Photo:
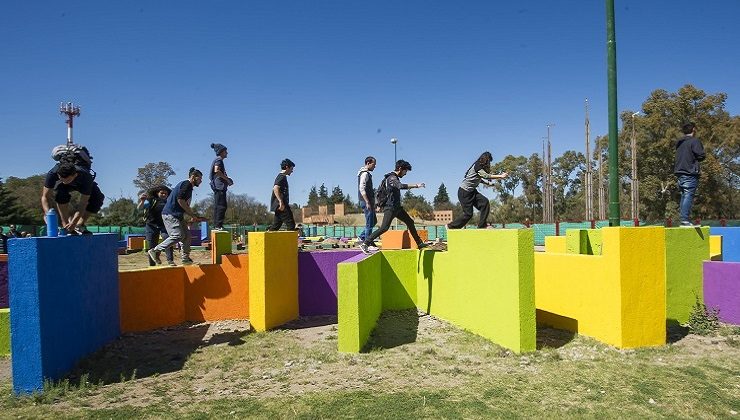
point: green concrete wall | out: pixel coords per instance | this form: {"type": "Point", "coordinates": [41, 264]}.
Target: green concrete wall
{"type": "Point", "coordinates": [4, 331]}
{"type": "Point", "coordinates": [686, 249]}
{"type": "Point", "coordinates": [398, 272]}
{"type": "Point", "coordinates": [360, 301]}
{"type": "Point", "coordinates": [583, 241]}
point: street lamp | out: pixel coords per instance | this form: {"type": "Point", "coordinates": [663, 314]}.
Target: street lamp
{"type": "Point", "coordinates": [394, 141]}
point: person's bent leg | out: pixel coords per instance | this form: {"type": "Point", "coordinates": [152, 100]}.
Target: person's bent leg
{"type": "Point", "coordinates": [150, 234]}
{"type": "Point", "coordinates": [172, 224]}
{"type": "Point", "coordinates": [169, 252]}
{"type": "Point", "coordinates": [185, 241]}
{"type": "Point", "coordinates": [409, 222]}
{"type": "Point", "coordinates": [276, 222]}
{"type": "Point", "coordinates": [481, 203]}
{"type": "Point", "coordinates": [388, 216]}
{"type": "Point", "coordinates": [466, 202]}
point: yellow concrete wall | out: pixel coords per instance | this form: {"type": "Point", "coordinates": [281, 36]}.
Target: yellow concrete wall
{"type": "Point", "coordinates": [715, 247]}
{"type": "Point", "coordinates": [617, 297]}
{"type": "Point", "coordinates": [273, 278]}
{"type": "Point", "coordinates": [555, 244]}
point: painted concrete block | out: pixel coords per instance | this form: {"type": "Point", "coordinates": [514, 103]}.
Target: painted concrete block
{"type": "Point", "coordinates": [317, 281]}
{"type": "Point", "coordinates": [715, 247]}
{"type": "Point", "coordinates": [218, 292]}
{"type": "Point", "coordinates": [273, 278]}
{"type": "Point", "coordinates": [4, 331]}
{"type": "Point", "coordinates": [401, 239]}
{"type": "Point", "coordinates": [64, 301]}
{"type": "Point", "coordinates": [220, 245]}
{"type": "Point", "coordinates": [135, 242]}
{"type": "Point", "coordinates": [722, 289]}
{"type": "Point", "coordinates": [583, 241]}
{"type": "Point", "coordinates": [4, 303]}
{"type": "Point", "coordinates": [618, 297]}
{"type": "Point", "coordinates": [399, 278]}
{"type": "Point", "coordinates": [152, 298]}
{"type": "Point", "coordinates": [686, 250]}
{"type": "Point", "coordinates": [195, 235]}
{"type": "Point", "coordinates": [730, 242]}
{"type": "Point", "coordinates": [360, 300]}
{"type": "Point", "coordinates": [555, 244]}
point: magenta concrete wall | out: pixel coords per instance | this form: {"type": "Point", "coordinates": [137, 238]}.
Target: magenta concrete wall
{"type": "Point", "coordinates": [317, 281]}
{"type": "Point", "coordinates": [722, 289]}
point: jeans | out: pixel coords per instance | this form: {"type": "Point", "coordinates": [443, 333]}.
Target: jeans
{"type": "Point", "coordinates": [468, 200]}
{"type": "Point", "coordinates": [219, 208]}
{"type": "Point", "coordinates": [388, 215]}
{"type": "Point", "coordinates": [152, 233]}
{"type": "Point", "coordinates": [179, 232]}
{"type": "Point", "coordinates": [285, 216]}
{"type": "Point", "coordinates": [370, 220]}
{"type": "Point", "coordinates": [687, 185]}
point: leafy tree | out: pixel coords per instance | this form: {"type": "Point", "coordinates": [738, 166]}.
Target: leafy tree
{"type": "Point", "coordinates": [27, 193]}
{"type": "Point", "coordinates": [417, 206]}
{"type": "Point", "coordinates": [313, 198]}
{"type": "Point", "coordinates": [243, 209]}
{"type": "Point", "coordinates": [442, 199]}
{"type": "Point", "coordinates": [349, 205]}
{"type": "Point", "coordinates": [323, 195]}
{"type": "Point", "coordinates": [152, 175]}
{"type": "Point", "coordinates": [10, 210]}
{"type": "Point", "coordinates": [337, 196]}
{"type": "Point", "coordinates": [120, 212]}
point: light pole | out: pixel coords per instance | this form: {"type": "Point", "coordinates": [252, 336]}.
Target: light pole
{"type": "Point", "coordinates": [394, 141]}
{"type": "Point", "coordinates": [635, 183]}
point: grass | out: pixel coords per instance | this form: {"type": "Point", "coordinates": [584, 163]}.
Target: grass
{"type": "Point", "coordinates": [444, 373]}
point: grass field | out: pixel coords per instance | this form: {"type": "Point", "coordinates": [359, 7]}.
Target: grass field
{"type": "Point", "coordinates": [415, 366]}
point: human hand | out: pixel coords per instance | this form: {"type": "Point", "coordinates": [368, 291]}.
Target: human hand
{"type": "Point", "coordinates": [503, 175]}
{"type": "Point", "coordinates": [142, 197]}
{"type": "Point", "coordinates": [231, 182]}
{"type": "Point", "coordinates": [281, 207]}
{"type": "Point", "coordinates": [422, 185]}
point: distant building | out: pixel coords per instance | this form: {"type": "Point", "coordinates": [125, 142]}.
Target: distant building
{"type": "Point", "coordinates": [442, 216]}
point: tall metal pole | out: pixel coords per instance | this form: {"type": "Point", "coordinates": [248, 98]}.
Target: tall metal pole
{"type": "Point", "coordinates": [550, 195]}
{"type": "Point", "coordinates": [71, 111]}
{"type": "Point", "coordinates": [395, 155]}
{"type": "Point", "coordinates": [545, 217]}
{"type": "Point", "coordinates": [611, 47]}
{"type": "Point", "coordinates": [589, 178]}
{"type": "Point", "coordinates": [635, 183]}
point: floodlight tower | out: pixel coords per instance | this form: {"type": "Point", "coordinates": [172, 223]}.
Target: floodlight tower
{"type": "Point", "coordinates": [71, 111]}
{"type": "Point", "coordinates": [394, 142]}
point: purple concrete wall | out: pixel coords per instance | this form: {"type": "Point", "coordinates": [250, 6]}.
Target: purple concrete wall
{"type": "Point", "coordinates": [4, 281]}
{"type": "Point", "coordinates": [722, 289]}
{"type": "Point", "coordinates": [317, 281]}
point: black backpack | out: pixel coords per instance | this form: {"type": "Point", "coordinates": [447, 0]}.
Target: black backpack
{"type": "Point", "coordinates": [381, 194]}
{"type": "Point", "coordinates": [75, 154]}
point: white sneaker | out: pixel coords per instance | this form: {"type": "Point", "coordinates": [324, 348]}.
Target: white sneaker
{"type": "Point", "coordinates": [373, 248]}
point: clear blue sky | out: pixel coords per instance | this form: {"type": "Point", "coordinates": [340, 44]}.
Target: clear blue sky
{"type": "Point", "coordinates": [328, 82]}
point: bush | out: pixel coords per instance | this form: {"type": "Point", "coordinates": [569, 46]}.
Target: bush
{"type": "Point", "coordinates": [703, 321]}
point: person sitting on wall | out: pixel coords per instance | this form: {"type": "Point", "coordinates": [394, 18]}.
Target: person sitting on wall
{"type": "Point", "coordinates": [63, 179]}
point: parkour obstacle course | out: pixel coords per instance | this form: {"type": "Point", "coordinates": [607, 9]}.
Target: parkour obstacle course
{"type": "Point", "coordinates": [618, 285]}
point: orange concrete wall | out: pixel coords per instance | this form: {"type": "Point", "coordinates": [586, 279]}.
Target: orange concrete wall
{"type": "Point", "coordinates": [151, 298]}
{"type": "Point", "coordinates": [401, 239]}
{"type": "Point", "coordinates": [218, 291]}
{"type": "Point", "coordinates": [135, 242]}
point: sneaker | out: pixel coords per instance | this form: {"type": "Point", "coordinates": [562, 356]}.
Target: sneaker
{"type": "Point", "coordinates": [155, 256]}
{"type": "Point", "coordinates": [373, 248]}
{"type": "Point", "coordinates": [365, 248]}
{"type": "Point", "coordinates": [171, 264]}
{"type": "Point", "coordinates": [82, 230]}
{"type": "Point", "coordinates": [187, 261]}
{"type": "Point", "coordinates": [687, 224]}
{"type": "Point", "coordinates": [73, 232]}
{"type": "Point", "coordinates": [423, 245]}
{"type": "Point", "coordinates": [219, 229]}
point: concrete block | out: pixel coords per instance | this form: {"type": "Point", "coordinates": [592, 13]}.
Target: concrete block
{"type": "Point", "coordinates": [686, 250]}
{"type": "Point", "coordinates": [583, 241]}
{"type": "Point", "coordinates": [360, 300]}
{"type": "Point", "coordinates": [218, 292]}
{"type": "Point", "coordinates": [401, 239]}
{"type": "Point", "coordinates": [64, 301]}
{"type": "Point", "coordinates": [4, 302]}
{"type": "Point", "coordinates": [135, 242]}
{"type": "Point", "coordinates": [317, 281]}
{"type": "Point", "coordinates": [556, 244]}
{"type": "Point", "coordinates": [722, 289]}
{"type": "Point", "coordinates": [715, 247]}
{"type": "Point", "coordinates": [220, 245]}
{"type": "Point", "coordinates": [730, 242]}
{"type": "Point", "coordinates": [152, 298]}
{"type": "Point", "coordinates": [4, 331]}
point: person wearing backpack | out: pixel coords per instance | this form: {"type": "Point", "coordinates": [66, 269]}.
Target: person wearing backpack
{"type": "Point", "coordinates": [64, 178]}
{"type": "Point", "coordinates": [388, 197]}
{"type": "Point", "coordinates": [153, 202]}
{"type": "Point", "coordinates": [469, 196]}
{"type": "Point", "coordinates": [280, 198]}
{"type": "Point", "coordinates": [366, 196]}
{"type": "Point", "coordinates": [219, 184]}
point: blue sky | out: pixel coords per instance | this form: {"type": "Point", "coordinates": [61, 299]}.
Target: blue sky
{"type": "Point", "coordinates": [326, 83]}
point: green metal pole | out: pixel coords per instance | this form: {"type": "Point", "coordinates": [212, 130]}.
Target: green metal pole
{"type": "Point", "coordinates": [611, 50]}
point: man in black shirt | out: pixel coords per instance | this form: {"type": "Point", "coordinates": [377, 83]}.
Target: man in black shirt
{"type": "Point", "coordinates": [63, 179]}
{"type": "Point", "coordinates": [689, 152]}
{"type": "Point", "coordinates": [153, 202]}
{"type": "Point", "coordinates": [219, 184]}
{"type": "Point", "coordinates": [280, 199]}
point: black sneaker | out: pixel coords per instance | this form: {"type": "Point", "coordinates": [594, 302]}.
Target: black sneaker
{"type": "Point", "coordinates": [73, 232]}
{"type": "Point", "coordinates": [82, 230]}
{"type": "Point", "coordinates": [155, 256]}
{"type": "Point", "coordinates": [423, 245]}
{"type": "Point", "coordinates": [187, 261]}
{"type": "Point", "coordinates": [365, 248]}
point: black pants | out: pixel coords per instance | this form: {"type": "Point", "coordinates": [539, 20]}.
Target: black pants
{"type": "Point", "coordinates": [94, 203]}
{"type": "Point", "coordinates": [152, 232]}
{"type": "Point", "coordinates": [285, 216]}
{"type": "Point", "coordinates": [388, 215]}
{"type": "Point", "coordinates": [468, 200]}
{"type": "Point", "coordinates": [219, 208]}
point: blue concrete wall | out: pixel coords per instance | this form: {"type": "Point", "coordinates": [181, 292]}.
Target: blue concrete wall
{"type": "Point", "coordinates": [63, 304]}
{"type": "Point", "coordinates": [730, 242]}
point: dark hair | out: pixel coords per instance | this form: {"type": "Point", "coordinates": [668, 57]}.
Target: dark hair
{"type": "Point", "coordinates": [402, 164]}
{"type": "Point", "coordinates": [287, 163]}
{"type": "Point", "coordinates": [66, 169]}
{"type": "Point", "coordinates": [195, 172]}
{"type": "Point", "coordinates": [369, 160]}
{"type": "Point", "coordinates": [688, 128]}
{"type": "Point", "coordinates": [485, 159]}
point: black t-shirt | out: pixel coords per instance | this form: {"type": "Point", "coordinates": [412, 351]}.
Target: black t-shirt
{"type": "Point", "coordinates": [154, 212]}
{"type": "Point", "coordinates": [281, 181]}
{"type": "Point", "coordinates": [83, 183]}
{"type": "Point", "coordinates": [218, 184]}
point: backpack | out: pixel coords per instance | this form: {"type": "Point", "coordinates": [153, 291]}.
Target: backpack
{"type": "Point", "coordinates": [75, 154]}
{"type": "Point", "coordinates": [381, 194]}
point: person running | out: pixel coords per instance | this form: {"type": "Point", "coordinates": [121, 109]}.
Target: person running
{"type": "Point", "coordinates": [366, 196]}
{"type": "Point", "coordinates": [392, 207]}
{"type": "Point", "coordinates": [469, 196]}
{"type": "Point", "coordinates": [64, 178]}
{"type": "Point", "coordinates": [220, 182]}
{"type": "Point", "coordinates": [153, 202]}
{"type": "Point", "coordinates": [280, 198]}
{"type": "Point", "coordinates": [173, 216]}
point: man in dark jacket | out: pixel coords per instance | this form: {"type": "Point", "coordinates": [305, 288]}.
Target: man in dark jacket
{"type": "Point", "coordinates": [689, 152]}
{"type": "Point", "coordinates": [220, 182]}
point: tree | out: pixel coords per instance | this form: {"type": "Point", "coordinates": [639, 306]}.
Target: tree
{"type": "Point", "coordinates": [350, 206]}
{"type": "Point", "coordinates": [313, 198]}
{"type": "Point", "coordinates": [323, 195]}
{"type": "Point", "coordinates": [442, 199]}
{"type": "Point", "coordinates": [337, 196]}
{"type": "Point", "coordinates": [27, 193]}
{"type": "Point", "coordinates": [120, 212]}
{"type": "Point", "coordinates": [417, 206]}
{"type": "Point", "coordinates": [152, 175]}
{"type": "Point", "coordinates": [243, 209]}
{"type": "Point", "coordinates": [10, 210]}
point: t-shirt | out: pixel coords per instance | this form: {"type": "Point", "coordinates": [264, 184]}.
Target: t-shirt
{"type": "Point", "coordinates": [183, 190]}
{"type": "Point", "coordinates": [474, 175]}
{"type": "Point", "coordinates": [282, 182]}
{"type": "Point", "coordinates": [154, 209]}
{"type": "Point", "coordinates": [83, 183]}
{"type": "Point", "coordinates": [218, 184]}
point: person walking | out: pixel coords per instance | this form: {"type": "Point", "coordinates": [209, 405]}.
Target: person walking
{"type": "Point", "coordinates": [469, 196]}
{"type": "Point", "coordinates": [280, 198]}
{"type": "Point", "coordinates": [220, 182]}
{"type": "Point", "coordinates": [389, 193]}
{"type": "Point", "coordinates": [173, 216]}
{"type": "Point", "coordinates": [366, 196]}
{"type": "Point", "coordinates": [153, 202]}
{"type": "Point", "coordinates": [689, 152]}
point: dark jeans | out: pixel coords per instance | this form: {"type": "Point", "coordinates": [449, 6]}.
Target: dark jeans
{"type": "Point", "coordinates": [152, 232]}
{"type": "Point", "coordinates": [94, 203]}
{"type": "Point", "coordinates": [370, 220]}
{"type": "Point", "coordinates": [687, 185]}
{"type": "Point", "coordinates": [219, 208]}
{"type": "Point", "coordinates": [285, 216]}
{"type": "Point", "coordinates": [388, 215]}
{"type": "Point", "coordinates": [468, 200]}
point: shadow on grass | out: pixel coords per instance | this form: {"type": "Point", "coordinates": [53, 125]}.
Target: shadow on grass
{"type": "Point", "coordinates": [553, 338]}
{"type": "Point", "coordinates": [675, 331]}
{"type": "Point", "coordinates": [309, 322]}
{"type": "Point", "coordinates": [393, 329]}
{"type": "Point", "coordinates": [147, 354]}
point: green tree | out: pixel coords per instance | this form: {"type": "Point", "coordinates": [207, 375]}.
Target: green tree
{"type": "Point", "coordinates": [120, 212]}
{"type": "Point", "coordinates": [417, 206]}
{"type": "Point", "coordinates": [27, 193]}
{"type": "Point", "coordinates": [323, 195]}
{"type": "Point", "coordinates": [442, 199]}
{"type": "Point", "coordinates": [313, 198]}
{"type": "Point", "coordinates": [337, 195]}
{"type": "Point", "coordinates": [10, 210]}
{"type": "Point", "coordinates": [152, 175]}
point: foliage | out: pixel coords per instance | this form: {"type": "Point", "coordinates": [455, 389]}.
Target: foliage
{"type": "Point", "coordinates": [442, 199]}
{"type": "Point", "coordinates": [703, 321]}
{"type": "Point", "coordinates": [120, 212]}
{"type": "Point", "coordinates": [27, 193]}
{"type": "Point", "coordinates": [242, 209]}
{"type": "Point", "coordinates": [323, 195]}
{"type": "Point", "coordinates": [313, 198]}
{"type": "Point", "coordinates": [10, 210]}
{"type": "Point", "coordinates": [152, 175]}
{"type": "Point", "coordinates": [417, 206]}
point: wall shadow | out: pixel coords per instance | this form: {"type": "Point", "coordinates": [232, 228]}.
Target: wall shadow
{"type": "Point", "coordinates": [674, 331]}
{"type": "Point", "coordinates": [426, 265]}
{"type": "Point", "coordinates": [309, 322]}
{"type": "Point", "coordinates": [553, 330]}
{"type": "Point", "coordinates": [393, 329]}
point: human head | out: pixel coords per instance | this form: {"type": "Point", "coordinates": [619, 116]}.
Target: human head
{"type": "Point", "coordinates": [485, 159]}
{"type": "Point", "coordinates": [370, 163]}
{"type": "Point", "coordinates": [195, 176]}
{"type": "Point", "coordinates": [688, 128]}
{"type": "Point", "coordinates": [287, 165]}
{"type": "Point", "coordinates": [11, 227]}
{"type": "Point", "coordinates": [163, 192]}
{"type": "Point", "coordinates": [220, 149]}
{"type": "Point", "coordinates": [402, 167]}
{"type": "Point", "coordinates": [67, 173]}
